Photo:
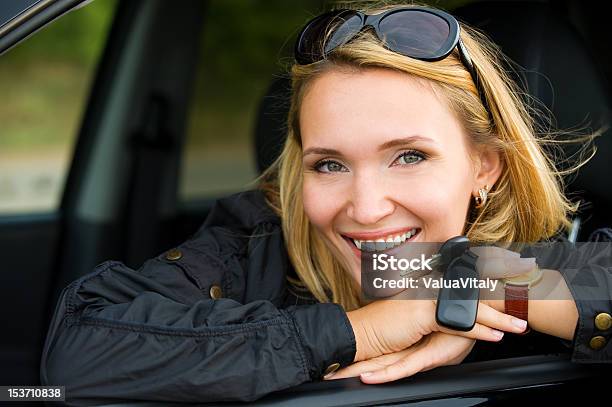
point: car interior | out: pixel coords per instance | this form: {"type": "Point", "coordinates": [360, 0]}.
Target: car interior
{"type": "Point", "coordinates": [120, 198]}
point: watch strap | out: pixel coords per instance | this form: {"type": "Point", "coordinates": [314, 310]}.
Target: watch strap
{"type": "Point", "coordinates": [517, 302]}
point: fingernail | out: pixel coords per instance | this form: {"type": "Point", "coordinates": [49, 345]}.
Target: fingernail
{"type": "Point", "coordinates": [519, 323]}
{"type": "Point", "coordinates": [497, 334]}
{"type": "Point", "coordinates": [366, 374]}
{"type": "Point", "coordinates": [527, 262]}
{"type": "Point", "coordinates": [327, 376]}
{"type": "Point", "coordinates": [520, 266]}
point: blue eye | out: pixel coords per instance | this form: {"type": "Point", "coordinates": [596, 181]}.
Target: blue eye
{"type": "Point", "coordinates": [410, 157]}
{"type": "Point", "coordinates": [329, 166]}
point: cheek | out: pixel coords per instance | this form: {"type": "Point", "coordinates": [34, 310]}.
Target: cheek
{"type": "Point", "coordinates": [440, 204]}
{"type": "Point", "coordinates": [320, 206]}
{"type": "Point", "coordinates": [448, 212]}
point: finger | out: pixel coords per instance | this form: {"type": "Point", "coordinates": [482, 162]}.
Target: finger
{"type": "Point", "coordinates": [369, 365]}
{"type": "Point", "coordinates": [493, 251]}
{"type": "Point", "coordinates": [492, 318]}
{"type": "Point", "coordinates": [479, 331]}
{"type": "Point", "coordinates": [434, 353]}
{"type": "Point", "coordinates": [436, 349]}
{"type": "Point", "coordinates": [350, 371]}
{"type": "Point", "coordinates": [492, 267]}
{"type": "Point", "coordinates": [408, 366]}
{"type": "Point", "coordinates": [357, 368]}
{"type": "Point", "coordinates": [490, 325]}
{"type": "Point", "coordinates": [497, 268]}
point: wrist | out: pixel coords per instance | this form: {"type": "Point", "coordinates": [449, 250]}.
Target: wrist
{"type": "Point", "coordinates": [494, 298]}
{"type": "Point", "coordinates": [554, 310]}
{"type": "Point", "coordinates": [518, 290]}
{"type": "Point", "coordinates": [355, 320]}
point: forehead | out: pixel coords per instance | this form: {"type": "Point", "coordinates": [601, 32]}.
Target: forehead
{"type": "Point", "coordinates": [373, 106]}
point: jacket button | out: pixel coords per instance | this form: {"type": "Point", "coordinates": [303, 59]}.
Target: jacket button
{"type": "Point", "coordinates": [216, 292]}
{"type": "Point", "coordinates": [331, 369]}
{"type": "Point", "coordinates": [597, 342]}
{"type": "Point", "coordinates": [174, 254]}
{"type": "Point", "coordinates": [603, 321]}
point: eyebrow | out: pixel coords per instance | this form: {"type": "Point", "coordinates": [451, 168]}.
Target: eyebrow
{"type": "Point", "coordinates": [384, 146]}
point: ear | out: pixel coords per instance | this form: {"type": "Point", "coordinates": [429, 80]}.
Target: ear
{"type": "Point", "coordinates": [489, 165]}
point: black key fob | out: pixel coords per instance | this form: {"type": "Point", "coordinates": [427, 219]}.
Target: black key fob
{"type": "Point", "coordinates": [457, 304]}
{"type": "Point", "coordinates": [453, 248]}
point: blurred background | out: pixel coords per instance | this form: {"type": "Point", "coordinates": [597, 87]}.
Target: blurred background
{"type": "Point", "coordinates": [45, 82]}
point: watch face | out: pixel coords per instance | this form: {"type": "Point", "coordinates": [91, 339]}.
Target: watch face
{"type": "Point", "coordinates": [525, 279]}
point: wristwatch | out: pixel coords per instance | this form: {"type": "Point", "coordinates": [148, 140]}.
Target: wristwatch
{"type": "Point", "coordinates": [516, 292]}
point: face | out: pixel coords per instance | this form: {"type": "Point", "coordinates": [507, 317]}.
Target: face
{"type": "Point", "coordinates": [385, 158]}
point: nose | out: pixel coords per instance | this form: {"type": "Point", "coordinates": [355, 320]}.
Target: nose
{"type": "Point", "coordinates": [369, 200]}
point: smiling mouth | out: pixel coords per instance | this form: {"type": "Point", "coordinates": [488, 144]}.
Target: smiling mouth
{"type": "Point", "coordinates": [383, 244]}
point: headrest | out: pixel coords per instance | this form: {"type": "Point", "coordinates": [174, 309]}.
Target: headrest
{"type": "Point", "coordinates": [271, 124]}
{"type": "Point", "coordinates": [559, 70]}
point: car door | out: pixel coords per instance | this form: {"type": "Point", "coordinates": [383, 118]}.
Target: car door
{"type": "Point", "coordinates": [44, 85]}
{"type": "Point", "coordinates": [87, 148]}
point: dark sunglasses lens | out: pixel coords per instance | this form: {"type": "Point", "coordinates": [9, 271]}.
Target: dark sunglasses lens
{"type": "Point", "coordinates": [345, 28]}
{"type": "Point", "coordinates": [312, 44]}
{"type": "Point", "coordinates": [309, 47]}
{"type": "Point", "coordinates": [417, 34]}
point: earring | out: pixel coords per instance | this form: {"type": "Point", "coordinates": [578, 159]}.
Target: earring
{"type": "Point", "coordinates": [482, 197]}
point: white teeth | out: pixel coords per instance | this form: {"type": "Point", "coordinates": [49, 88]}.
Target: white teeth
{"type": "Point", "coordinates": [395, 240]}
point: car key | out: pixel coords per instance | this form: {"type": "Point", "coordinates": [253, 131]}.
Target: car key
{"type": "Point", "coordinates": [457, 307]}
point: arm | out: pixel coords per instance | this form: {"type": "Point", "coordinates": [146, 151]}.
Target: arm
{"type": "Point", "coordinates": [398, 338]}
{"type": "Point", "coordinates": [155, 334]}
{"type": "Point", "coordinates": [577, 288]}
{"type": "Point", "coordinates": [556, 316]}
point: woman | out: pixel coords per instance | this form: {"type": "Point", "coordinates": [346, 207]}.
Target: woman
{"type": "Point", "coordinates": [380, 145]}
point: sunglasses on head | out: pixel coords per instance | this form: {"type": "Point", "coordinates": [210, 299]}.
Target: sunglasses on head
{"type": "Point", "coordinates": [417, 32]}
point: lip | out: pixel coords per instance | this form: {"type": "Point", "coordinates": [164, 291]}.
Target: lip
{"type": "Point", "coordinates": [393, 250]}
{"type": "Point", "coordinates": [378, 234]}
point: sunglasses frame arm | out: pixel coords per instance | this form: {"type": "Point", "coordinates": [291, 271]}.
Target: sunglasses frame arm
{"type": "Point", "coordinates": [467, 62]}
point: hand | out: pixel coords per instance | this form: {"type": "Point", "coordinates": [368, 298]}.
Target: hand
{"type": "Point", "coordinates": [496, 263]}
{"type": "Point", "coordinates": [493, 263]}
{"type": "Point", "coordinates": [388, 326]}
{"type": "Point", "coordinates": [436, 349]}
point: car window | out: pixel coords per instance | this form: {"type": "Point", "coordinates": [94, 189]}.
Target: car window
{"type": "Point", "coordinates": [11, 9]}
{"type": "Point", "coordinates": [218, 152]}
{"type": "Point", "coordinates": [45, 83]}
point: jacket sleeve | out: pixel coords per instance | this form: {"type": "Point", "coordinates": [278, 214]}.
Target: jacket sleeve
{"type": "Point", "coordinates": [587, 270]}
{"type": "Point", "coordinates": [156, 334]}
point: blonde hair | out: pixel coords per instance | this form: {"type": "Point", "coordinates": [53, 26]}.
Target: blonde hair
{"type": "Point", "coordinates": [526, 204]}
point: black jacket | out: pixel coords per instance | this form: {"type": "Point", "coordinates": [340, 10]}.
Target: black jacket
{"type": "Point", "coordinates": [212, 320]}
